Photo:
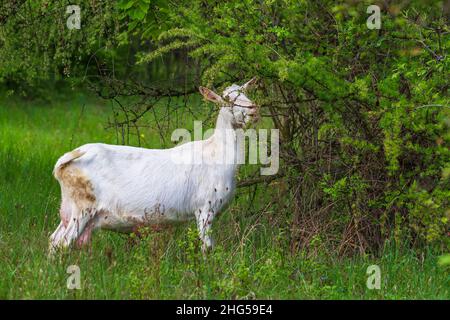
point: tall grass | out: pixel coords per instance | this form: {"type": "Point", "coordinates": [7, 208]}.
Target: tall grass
{"type": "Point", "coordinates": [252, 259]}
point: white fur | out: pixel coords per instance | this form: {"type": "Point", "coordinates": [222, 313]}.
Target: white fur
{"type": "Point", "coordinates": [137, 186]}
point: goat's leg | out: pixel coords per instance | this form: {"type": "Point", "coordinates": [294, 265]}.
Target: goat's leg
{"type": "Point", "coordinates": [56, 237]}
{"type": "Point", "coordinates": [85, 237]}
{"type": "Point", "coordinates": [75, 227]}
{"type": "Point", "coordinates": [204, 221]}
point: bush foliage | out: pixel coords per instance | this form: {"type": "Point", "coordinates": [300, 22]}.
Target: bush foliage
{"type": "Point", "coordinates": [363, 113]}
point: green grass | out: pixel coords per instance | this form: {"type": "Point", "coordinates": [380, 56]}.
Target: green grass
{"type": "Point", "coordinates": [251, 260]}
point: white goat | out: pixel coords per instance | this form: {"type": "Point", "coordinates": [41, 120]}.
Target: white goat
{"type": "Point", "coordinates": [120, 188]}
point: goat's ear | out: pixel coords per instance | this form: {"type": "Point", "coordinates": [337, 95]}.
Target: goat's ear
{"type": "Point", "coordinates": [249, 83]}
{"type": "Point", "coordinates": [211, 95]}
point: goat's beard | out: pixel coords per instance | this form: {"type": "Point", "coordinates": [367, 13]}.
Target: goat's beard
{"type": "Point", "coordinates": [248, 122]}
{"type": "Point", "coordinates": [238, 125]}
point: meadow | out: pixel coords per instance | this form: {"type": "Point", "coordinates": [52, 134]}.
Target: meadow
{"type": "Point", "coordinates": [251, 260]}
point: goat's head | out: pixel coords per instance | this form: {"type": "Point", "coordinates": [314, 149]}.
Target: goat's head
{"type": "Point", "coordinates": [235, 103]}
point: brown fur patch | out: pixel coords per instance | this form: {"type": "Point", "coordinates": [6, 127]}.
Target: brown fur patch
{"type": "Point", "coordinates": [77, 185]}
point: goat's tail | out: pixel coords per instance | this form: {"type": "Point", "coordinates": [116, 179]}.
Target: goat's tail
{"type": "Point", "coordinates": [65, 160]}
